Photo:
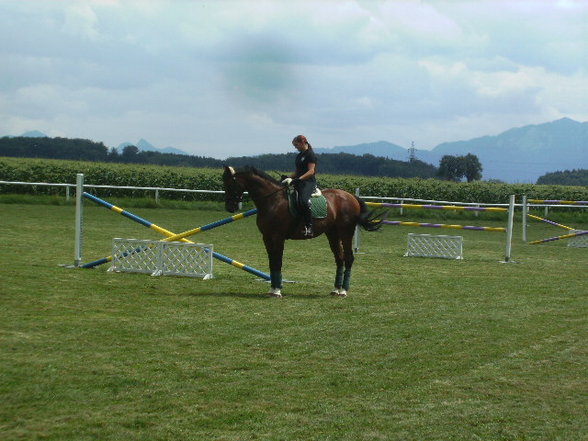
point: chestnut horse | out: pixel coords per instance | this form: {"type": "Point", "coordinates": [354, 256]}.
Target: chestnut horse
{"type": "Point", "coordinates": [276, 224]}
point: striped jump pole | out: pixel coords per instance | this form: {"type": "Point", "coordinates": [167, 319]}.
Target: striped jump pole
{"type": "Point", "coordinates": [542, 219]}
{"type": "Point", "coordinates": [548, 202]}
{"type": "Point", "coordinates": [174, 237]}
{"type": "Point", "coordinates": [565, 236]}
{"type": "Point", "coordinates": [508, 229]}
{"type": "Point", "coordinates": [455, 227]}
{"type": "Point", "coordinates": [180, 237]}
{"type": "Point", "coordinates": [556, 202]}
{"type": "Point", "coordinates": [437, 207]}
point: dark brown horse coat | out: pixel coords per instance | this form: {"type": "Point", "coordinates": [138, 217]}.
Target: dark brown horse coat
{"type": "Point", "coordinates": [344, 212]}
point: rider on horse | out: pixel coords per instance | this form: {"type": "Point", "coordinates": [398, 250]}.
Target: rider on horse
{"type": "Point", "coordinates": [303, 179]}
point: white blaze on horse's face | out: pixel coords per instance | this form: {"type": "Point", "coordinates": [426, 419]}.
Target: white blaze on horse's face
{"type": "Point", "coordinates": [231, 171]}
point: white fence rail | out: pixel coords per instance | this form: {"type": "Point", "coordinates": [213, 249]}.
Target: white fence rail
{"type": "Point", "coordinates": [156, 190]}
{"type": "Point", "coordinates": [114, 187]}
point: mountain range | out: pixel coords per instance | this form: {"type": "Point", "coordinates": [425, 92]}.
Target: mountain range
{"type": "Point", "coordinates": [516, 155]}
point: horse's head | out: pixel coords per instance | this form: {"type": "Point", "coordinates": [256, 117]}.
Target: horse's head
{"type": "Point", "coordinates": [233, 190]}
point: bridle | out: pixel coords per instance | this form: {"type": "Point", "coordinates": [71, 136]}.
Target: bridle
{"type": "Point", "coordinates": [232, 196]}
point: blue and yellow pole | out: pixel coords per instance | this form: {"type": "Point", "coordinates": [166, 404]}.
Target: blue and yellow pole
{"type": "Point", "coordinates": [177, 237]}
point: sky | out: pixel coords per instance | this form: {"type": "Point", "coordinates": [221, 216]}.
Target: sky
{"type": "Point", "coordinates": [243, 77]}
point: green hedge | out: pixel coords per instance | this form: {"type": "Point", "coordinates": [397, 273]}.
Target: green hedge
{"type": "Point", "coordinates": [61, 171]}
{"type": "Point", "coordinates": [97, 173]}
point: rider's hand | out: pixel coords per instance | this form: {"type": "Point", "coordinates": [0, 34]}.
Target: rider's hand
{"type": "Point", "coordinates": [287, 181]}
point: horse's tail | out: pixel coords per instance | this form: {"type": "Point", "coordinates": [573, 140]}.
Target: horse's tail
{"type": "Point", "coordinates": [370, 220]}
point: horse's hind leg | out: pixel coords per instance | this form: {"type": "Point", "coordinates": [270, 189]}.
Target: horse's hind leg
{"type": "Point", "coordinates": [337, 249]}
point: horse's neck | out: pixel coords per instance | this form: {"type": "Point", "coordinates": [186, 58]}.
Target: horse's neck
{"type": "Point", "coordinates": [260, 190]}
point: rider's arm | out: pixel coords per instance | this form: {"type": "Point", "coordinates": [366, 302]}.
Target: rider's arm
{"type": "Point", "coordinates": [310, 172]}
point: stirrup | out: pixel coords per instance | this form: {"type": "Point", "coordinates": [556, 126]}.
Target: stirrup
{"type": "Point", "coordinates": [308, 231]}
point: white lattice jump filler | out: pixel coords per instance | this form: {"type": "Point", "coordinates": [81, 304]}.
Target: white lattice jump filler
{"type": "Point", "coordinates": [162, 258]}
{"type": "Point", "coordinates": [434, 245]}
{"type": "Point", "coordinates": [580, 240]}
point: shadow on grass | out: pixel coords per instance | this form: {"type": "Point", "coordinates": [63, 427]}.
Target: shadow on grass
{"type": "Point", "coordinates": [259, 296]}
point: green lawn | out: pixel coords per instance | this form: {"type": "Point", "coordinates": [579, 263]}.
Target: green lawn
{"type": "Point", "coordinates": [422, 349]}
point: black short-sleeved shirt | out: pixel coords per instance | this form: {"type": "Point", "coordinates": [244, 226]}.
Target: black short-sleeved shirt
{"type": "Point", "coordinates": [302, 160]}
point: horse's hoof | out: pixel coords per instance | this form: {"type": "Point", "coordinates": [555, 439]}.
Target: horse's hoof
{"type": "Point", "coordinates": [275, 292]}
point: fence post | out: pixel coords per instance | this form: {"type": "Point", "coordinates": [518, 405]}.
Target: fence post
{"type": "Point", "coordinates": [79, 218]}
{"type": "Point", "coordinates": [524, 220]}
{"type": "Point", "coordinates": [356, 239]}
{"type": "Point", "coordinates": [509, 226]}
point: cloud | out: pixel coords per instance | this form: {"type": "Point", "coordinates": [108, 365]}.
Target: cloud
{"type": "Point", "coordinates": [80, 21]}
{"type": "Point", "coordinates": [240, 77]}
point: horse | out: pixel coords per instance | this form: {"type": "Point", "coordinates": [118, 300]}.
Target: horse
{"type": "Point", "coordinates": [276, 224]}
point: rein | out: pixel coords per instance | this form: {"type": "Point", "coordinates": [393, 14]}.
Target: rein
{"type": "Point", "coordinates": [240, 198]}
{"type": "Point", "coordinates": [274, 192]}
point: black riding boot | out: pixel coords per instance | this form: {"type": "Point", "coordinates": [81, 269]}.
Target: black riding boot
{"type": "Point", "coordinates": [307, 222]}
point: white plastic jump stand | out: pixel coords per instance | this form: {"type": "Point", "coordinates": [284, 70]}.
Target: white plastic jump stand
{"type": "Point", "coordinates": [435, 246]}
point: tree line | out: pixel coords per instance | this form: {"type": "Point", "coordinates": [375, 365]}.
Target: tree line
{"type": "Point", "coordinates": [450, 168]}
{"type": "Point", "coordinates": [567, 177]}
{"type": "Point", "coordinates": [86, 150]}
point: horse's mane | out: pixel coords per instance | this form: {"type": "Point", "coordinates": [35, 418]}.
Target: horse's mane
{"type": "Point", "coordinates": [248, 169]}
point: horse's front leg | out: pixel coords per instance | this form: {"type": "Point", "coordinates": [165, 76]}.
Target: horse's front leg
{"type": "Point", "coordinates": [337, 249]}
{"type": "Point", "coordinates": [275, 252]}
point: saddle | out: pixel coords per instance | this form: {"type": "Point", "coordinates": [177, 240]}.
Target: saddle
{"type": "Point", "coordinates": [318, 204]}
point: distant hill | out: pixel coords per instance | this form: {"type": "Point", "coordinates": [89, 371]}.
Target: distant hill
{"type": "Point", "coordinates": [142, 144]}
{"type": "Point", "coordinates": [524, 154]}
{"type": "Point", "coordinates": [517, 155]}
{"type": "Point", "coordinates": [146, 146]}
{"type": "Point", "coordinates": [381, 148]}
{"type": "Point", "coordinates": [33, 134]}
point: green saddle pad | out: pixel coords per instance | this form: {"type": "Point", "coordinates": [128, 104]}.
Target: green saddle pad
{"type": "Point", "coordinates": [318, 205]}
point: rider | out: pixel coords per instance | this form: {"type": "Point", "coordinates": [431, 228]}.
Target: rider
{"type": "Point", "coordinates": [304, 179]}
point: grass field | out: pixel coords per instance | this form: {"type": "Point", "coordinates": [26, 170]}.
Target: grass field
{"type": "Point", "coordinates": [422, 349]}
